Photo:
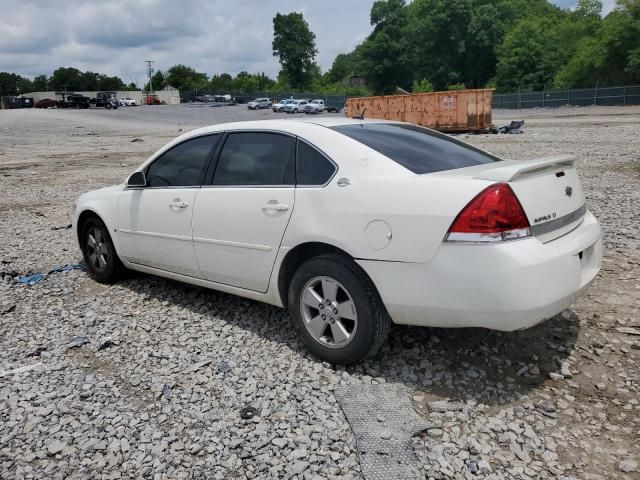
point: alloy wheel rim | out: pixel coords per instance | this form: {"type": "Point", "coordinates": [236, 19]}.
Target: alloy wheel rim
{"type": "Point", "coordinates": [97, 250]}
{"type": "Point", "coordinates": [328, 312]}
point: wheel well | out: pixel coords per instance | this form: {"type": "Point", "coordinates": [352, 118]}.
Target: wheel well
{"type": "Point", "coordinates": [297, 256]}
{"type": "Point", "coordinates": [84, 216]}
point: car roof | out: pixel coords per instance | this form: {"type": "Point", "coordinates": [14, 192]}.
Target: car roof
{"type": "Point", "coordinates": [283, 124]}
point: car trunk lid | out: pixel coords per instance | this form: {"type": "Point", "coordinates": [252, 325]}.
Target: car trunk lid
{"type": "Point", "coordinates": [548, 189]}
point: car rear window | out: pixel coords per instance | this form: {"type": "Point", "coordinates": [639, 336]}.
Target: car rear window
{"type": "Point", "coordinates": [416, 148]}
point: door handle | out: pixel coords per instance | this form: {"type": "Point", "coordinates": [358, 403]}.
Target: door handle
{"type": "Point", "coordinates": [278, 207]}
{"type": "Point", "coordinates": [178, 204]}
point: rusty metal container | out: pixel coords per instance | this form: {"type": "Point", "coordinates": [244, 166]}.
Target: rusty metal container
{"type": "Point", "coordinates": [454, 111]}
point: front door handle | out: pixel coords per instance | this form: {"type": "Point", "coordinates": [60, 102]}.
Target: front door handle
{"type": "Point", "coordinates": [278, 207]}
{"type": "Point", "coordinates": [178, 204]}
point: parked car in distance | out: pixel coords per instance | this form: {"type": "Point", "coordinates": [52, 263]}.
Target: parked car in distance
{"type": "Point", "coordinates": [127, 102]}
{"type": "Point", "coordinates": [314, 106]}
{"type": "Point", "coordinates": [46, 103]}
{"type": "Point", "coordinates": [351, 225]}
{"type": "Point", "coordinates": [107, 100]}
{"type": "Point", "coordinates": [259, 103]}
{"type": "Point", "coordinates": [295, 106]}
{"type": "Point", "coordinates": [279, 107]}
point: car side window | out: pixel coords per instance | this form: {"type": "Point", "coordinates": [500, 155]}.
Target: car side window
{"type": "Point", "coordinates": [183, 165]}
{"type": "Point", "coordinates": [312, 167]}
{"type": "Point", "coordinates": [256, 158]}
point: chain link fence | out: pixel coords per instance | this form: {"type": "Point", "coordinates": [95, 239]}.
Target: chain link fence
{"type": "Point", "coordinates": [611, 96]}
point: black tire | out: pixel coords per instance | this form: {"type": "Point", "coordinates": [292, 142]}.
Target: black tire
{"type": "Point", "coordinates": [373, 321]}
{"type": "Point", "coordinates": [113, 268]}
{"type": "Point", "coordinates": [107, 106]}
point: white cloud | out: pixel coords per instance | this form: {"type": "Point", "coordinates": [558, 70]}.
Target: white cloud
{"type": "Point", "coordinates": [212, 36]}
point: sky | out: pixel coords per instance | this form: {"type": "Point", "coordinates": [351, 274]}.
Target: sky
{"type": "Point", "coordinates": [213, 36]}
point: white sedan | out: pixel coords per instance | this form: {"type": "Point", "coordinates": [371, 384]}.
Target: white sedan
{"type": "Point", "coordinates": [351, 225]}
{"type": "Point", "coordinates": [127, 102]}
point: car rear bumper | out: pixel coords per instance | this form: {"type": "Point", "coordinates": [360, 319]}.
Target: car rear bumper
{"type": "Point", "coordinates": [507, 286]}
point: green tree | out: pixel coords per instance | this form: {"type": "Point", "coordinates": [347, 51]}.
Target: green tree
{"type": "Point", "coordinates": [40, 83]}
{"type": "Point", "coordinates": [221, 83]}
{"type": "Point", "coordinates": [158, 81]}
{"type": "Point", "coordinates": [67, 79]}
{"type": "Point", "coordinates": [295, 45]}
{"type": "Point", "coordinates": [385, 55]}
{"type": "Point", "coordinates": [608, 56]}
{"type": "Point", "coordinates": [13, 84]}
{"type": "Point", "coordinates": [530, 55]}
{"type": "Point", "coordinates": [344, 65]}
{"type": "Point", "coordinates": [185, 78]}
{"type": "Point", "coordinates": [422, 86]}
{"type": "Point", "coordinates": [589, 8]}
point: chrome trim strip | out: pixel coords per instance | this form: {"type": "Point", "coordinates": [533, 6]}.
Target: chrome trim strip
{"type": "Point", "coordinates": [488, 237]}
{"type": "Point", "coordinates": [157, 235]}
{"type": "Point", "coordinates": [228, 243]}
{"type": "Point", "coordinates": [557, 223]}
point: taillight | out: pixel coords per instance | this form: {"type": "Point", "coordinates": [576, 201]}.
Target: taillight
{"type": "Point", "coordinates": [494, 215]}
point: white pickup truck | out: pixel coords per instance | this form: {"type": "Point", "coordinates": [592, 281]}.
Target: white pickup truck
{"type": "Point", "coordinates": [315, 106]}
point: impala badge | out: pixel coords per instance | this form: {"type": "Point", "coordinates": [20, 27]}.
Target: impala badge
{"type": "Point", "coordinates": [568, 191]}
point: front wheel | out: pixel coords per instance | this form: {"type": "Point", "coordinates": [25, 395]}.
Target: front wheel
{"type": "Point", "coordinates": [336, 310]}
{"type": "Point", "coordinates": [98, 251]}
{"type": "Point", "coordinates": [107, 106]}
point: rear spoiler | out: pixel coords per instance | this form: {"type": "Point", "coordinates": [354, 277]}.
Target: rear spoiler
{"type": "Point", "coordinates": [516, 169]}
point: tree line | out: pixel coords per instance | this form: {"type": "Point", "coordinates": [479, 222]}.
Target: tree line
{"type": "Point", "coordinates": [63, 79]}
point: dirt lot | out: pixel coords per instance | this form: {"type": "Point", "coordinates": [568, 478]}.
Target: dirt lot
{"type": "Point", "coordinates": [557, 401]}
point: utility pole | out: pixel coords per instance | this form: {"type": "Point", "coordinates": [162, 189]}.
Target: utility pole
{"type": "Point", "coordinates": [150, 72]}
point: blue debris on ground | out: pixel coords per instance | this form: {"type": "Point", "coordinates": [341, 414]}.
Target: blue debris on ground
{"type": "Point", "coordinates": [38, 277]}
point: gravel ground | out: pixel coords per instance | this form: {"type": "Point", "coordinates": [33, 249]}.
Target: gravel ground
{"type": "Point", "coordinates": [146, 379]}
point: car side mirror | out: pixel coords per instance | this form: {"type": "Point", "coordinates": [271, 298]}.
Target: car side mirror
{"type": "Point", "coordinates": [137, 179]}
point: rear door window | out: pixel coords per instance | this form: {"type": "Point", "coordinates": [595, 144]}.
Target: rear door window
{"type": "Point", "coordinates": [256, 158]}
{"type": "Point", "coordinates": [416, 148]}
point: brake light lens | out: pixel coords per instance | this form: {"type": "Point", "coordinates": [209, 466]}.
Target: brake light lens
{"type": "Point", "coordinates": [494, 215]}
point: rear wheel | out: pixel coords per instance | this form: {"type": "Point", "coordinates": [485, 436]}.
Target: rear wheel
{"type": "Point", "coordinates": [107, 106]}
{"type": "Point", "coordinates": [336, 311]}
{"type": "Point", "coordinates": [99, 253]}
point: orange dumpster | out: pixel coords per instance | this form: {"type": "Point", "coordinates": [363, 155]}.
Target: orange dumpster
{"type": "Point", "coordinates": [454, 111]}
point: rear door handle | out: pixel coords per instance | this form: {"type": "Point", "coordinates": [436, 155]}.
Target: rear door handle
{"type": "Point", "coordinates": [278, 207]}
{"type": "Point", "coordinates": [177, 204]}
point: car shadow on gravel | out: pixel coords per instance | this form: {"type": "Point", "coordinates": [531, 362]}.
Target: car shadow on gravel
{"type": "Point", "coordinates": [466, 363]}
{"type": "Point", "coordinates": [487, 366]}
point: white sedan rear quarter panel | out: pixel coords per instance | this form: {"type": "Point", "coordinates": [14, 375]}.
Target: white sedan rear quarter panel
{"type": "Point", "coordinates": [419, 209]}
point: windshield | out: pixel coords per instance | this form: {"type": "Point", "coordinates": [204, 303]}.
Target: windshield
{"type": "Point", "coordinates": [416, 148]}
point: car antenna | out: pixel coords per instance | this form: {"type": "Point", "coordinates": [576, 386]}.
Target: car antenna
{"type": "Point", "coordinates": [361, 116]}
